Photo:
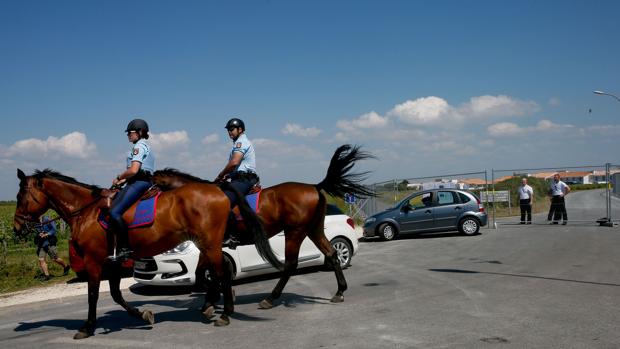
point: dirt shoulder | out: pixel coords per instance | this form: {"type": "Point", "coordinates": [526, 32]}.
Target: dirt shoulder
{"type": "Point", "coordinates": [56, 291]}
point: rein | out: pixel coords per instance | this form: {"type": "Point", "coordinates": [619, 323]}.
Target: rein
{"type": "Point", "coordinates": [31, 219]}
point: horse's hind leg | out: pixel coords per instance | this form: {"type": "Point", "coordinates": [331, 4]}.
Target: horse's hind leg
{"type": "Point", "coordinates": [211, 288]}
{"type": "Point", "coordinates": [291, 251]}
{"type": "Point", "coordinates": [219, 274]}
{"type": "Point", "coordinates": [331, 259]}
{"type": "Point", "coordinates": [115, 281]}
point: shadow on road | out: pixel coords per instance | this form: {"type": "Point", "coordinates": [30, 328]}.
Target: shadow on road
{"type": "Point", "coordinates": [184, 310]}
{"type": "Point", "coordinates": [464, 271]}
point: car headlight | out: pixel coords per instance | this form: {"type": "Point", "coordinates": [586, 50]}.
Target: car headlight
{"type": "Point", "coordinates": [180, 249]}
{"type": "Point", "coordinates": [370, 220]}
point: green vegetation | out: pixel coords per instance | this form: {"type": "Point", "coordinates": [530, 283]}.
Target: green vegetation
{"type": "Point", "coordinates": [19, 267]}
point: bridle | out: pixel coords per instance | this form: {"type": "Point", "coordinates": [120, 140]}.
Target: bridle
{"type": "Point", "coordinates": [28, 218]}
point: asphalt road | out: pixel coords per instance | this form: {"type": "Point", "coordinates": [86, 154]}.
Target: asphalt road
{"type": "Point", "coordinates": [533, 286]}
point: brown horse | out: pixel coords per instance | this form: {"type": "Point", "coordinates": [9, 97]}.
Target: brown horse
{"type": "Point", "coordinates": [196, 212]}
{"type": "Point", "coordinates": [299, 210]}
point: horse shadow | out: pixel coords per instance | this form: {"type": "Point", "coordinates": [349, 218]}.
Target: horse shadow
{"type": "Point", "coordinates": [183, 310]}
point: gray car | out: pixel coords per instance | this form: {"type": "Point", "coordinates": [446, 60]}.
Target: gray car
{"type": "Point", "coordinates": [429, 211]}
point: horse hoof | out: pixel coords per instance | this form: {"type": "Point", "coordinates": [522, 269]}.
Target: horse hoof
{"type": "Point", "coordinates": [337, 298]}
{"type": "Point", "coordinates": [81, 335]}
{"type": "Point", "coordinates": [222, 321]}
{"type": "Point", "coordinates": [209, 312]}
{"type": "Point", "coordinates": [265, 304]}
{"type": "Point", "coordinates": [148, 316]}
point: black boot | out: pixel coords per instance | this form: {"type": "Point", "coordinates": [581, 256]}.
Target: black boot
{"type": "Point", "coordinates": [123, 252]}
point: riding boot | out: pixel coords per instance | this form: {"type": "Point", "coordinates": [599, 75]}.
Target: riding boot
{"type": "Point", "coordinates": [123, 252]}
{"type": "Point", "coordinates": [230, 236]}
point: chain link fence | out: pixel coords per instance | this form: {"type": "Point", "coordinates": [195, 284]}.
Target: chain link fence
{"type": "Point", "coordinates": [498, 190]}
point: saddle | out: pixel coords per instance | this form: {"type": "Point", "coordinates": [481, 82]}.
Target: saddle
{"type": "Point", "coordinates": [139, 215]}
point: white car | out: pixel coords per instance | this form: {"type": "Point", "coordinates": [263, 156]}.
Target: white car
{"type": "Point", "coordinates": [178, 266]}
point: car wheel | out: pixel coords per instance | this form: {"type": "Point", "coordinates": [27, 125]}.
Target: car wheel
{"type": "Point", "coordinates": [387, 231]}
{"type": "Point", "coordinates": [469, 226]}
{"type": "Point", "coordinates": [344, 250]}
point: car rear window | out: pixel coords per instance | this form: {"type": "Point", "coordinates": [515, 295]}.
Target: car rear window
{"type": "Point", "coordinates": [464, 198]}
{"type": "Point", "coordinates": [333, 210]}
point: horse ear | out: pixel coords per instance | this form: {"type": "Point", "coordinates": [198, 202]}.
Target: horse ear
{"type": "Point", "coordinates": [21, 175]}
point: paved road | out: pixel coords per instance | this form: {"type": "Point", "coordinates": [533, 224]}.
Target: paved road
{"type": "Point", "coordinates": [536, 286]}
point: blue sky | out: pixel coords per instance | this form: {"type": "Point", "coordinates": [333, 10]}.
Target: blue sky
{"type": "Point", "coordinates": [428, 87]}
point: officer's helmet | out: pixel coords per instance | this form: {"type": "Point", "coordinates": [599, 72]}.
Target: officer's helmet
{"type": "Point", "coordinates": [137, 125]}
{"type": "Point", "coordinates": [234, 123]}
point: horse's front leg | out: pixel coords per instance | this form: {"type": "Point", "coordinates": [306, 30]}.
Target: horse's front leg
{"type": "Point", "coordinates": [88, 329]}
{"type": "Point", "coordinates": [117, 296]}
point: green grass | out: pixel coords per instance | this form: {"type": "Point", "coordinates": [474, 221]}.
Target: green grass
{"type": "Point", "coordinates": [22, 269]}
{"type": "Point", "coordinates": [19, 264]}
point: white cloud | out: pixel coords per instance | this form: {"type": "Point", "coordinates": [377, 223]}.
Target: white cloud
{"type": "Point", "coordinates": [370, 120]}
{"type": "Point", "coordinates": [163, 141]}
{"type": "Point", "coordinates": [74, 145]}
{"type": "Point", "coordinates": [504, 129]}
{"type": "Point", "coordinates": [495, 106]}
{"type": "Point", "coordinates": [211, 139]}
{"type": "Point", "coordinates": [298, 130]}
{"type": "Point", "coordinates": [422, 111]}
{"type": "Point", "coordinates": [511, 129]}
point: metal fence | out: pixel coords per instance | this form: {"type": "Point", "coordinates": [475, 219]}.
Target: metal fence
{"type": "Point", "coordinates": [571, 175]}
{"type": "Point", "coordinates": [498, 191]}
{"type": "Point", "coordinates": [393, 191]}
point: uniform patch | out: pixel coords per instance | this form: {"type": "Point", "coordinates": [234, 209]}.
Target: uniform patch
{"type": "Point", "coordinates": [135, 151]}
{"type": "Point", "coordinates": [238, 145]}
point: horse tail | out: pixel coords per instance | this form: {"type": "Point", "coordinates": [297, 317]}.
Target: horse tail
{"type": "Point", "coordinates": [339, 180]}
{"type": "Point", "coordinates": [253, 223]}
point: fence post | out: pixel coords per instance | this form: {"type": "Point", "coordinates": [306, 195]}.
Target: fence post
{"type": "Point", "coordinates": [486, 196]}
{"type": "Point", "coordinates": [493, 186]}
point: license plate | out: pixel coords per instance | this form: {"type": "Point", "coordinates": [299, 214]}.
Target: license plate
{"type": "Point", "coordinates": [139, 265]}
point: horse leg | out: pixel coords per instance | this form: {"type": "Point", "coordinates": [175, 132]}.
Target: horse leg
{"type": "Point", "coordinates": [229, 299]}
{"type": "Point", "coordinates": [219, 274]}
{"type": "Point", "coordinates": [331, 258]}
{"type": "Point", "coordinates": [117, 296]}
{"type": "Point", "coordinates": [212, 295]}
{"type": "Point", "coordinates": [293, 242]}
{"type": "Point", "coordinates": [94, 280]}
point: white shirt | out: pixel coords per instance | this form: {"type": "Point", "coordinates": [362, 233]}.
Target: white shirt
{"type": "Point", "coordinates": [525, 192]}
{"type": "Point", "coordinates": [558, 188]}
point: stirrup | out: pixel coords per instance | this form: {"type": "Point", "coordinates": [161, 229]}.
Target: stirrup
{"type": "Point", "coordinates": [121, 255]}
{"type": "Point", "coordinates": [231, 242]}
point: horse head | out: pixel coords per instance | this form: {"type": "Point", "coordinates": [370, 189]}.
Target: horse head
{"type": "Point", "coordinates": [32, 202]}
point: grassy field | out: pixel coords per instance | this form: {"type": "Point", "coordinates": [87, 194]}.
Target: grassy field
{"type": "Point", "coordinates": [19, 267]}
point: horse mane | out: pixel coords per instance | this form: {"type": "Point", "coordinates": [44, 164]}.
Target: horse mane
{"type": "Point", "coordinates": [49, 173]}
{"type": "Point", "coordinates": [172, 172]}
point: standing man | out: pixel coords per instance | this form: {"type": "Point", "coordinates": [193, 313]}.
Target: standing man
{"type": "Point", "coordinates": [558, 191]}
{"type": "Point", "coordinates": [46, 245]}
{"type": "Point", "coordinates": [240, 169]}
{"type": "Point", "coordinates": [526, 199]}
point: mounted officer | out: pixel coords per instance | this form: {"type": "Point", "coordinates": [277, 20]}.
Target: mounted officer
{"type": "Point", "coordinates": [241, 166]}
{"type": "Point", "coordinates": [137, 180]}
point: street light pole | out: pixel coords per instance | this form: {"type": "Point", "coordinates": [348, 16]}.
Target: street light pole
{"type": "Point", "coordinates": [607, 222]}
{"type": "Point", "coordinates": [606, 94]}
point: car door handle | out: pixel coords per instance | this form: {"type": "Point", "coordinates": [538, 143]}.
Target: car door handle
{"type": "Point", "coordinates": [457, 208]}
{"type": "Point", "coordinates": [428, 211]}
